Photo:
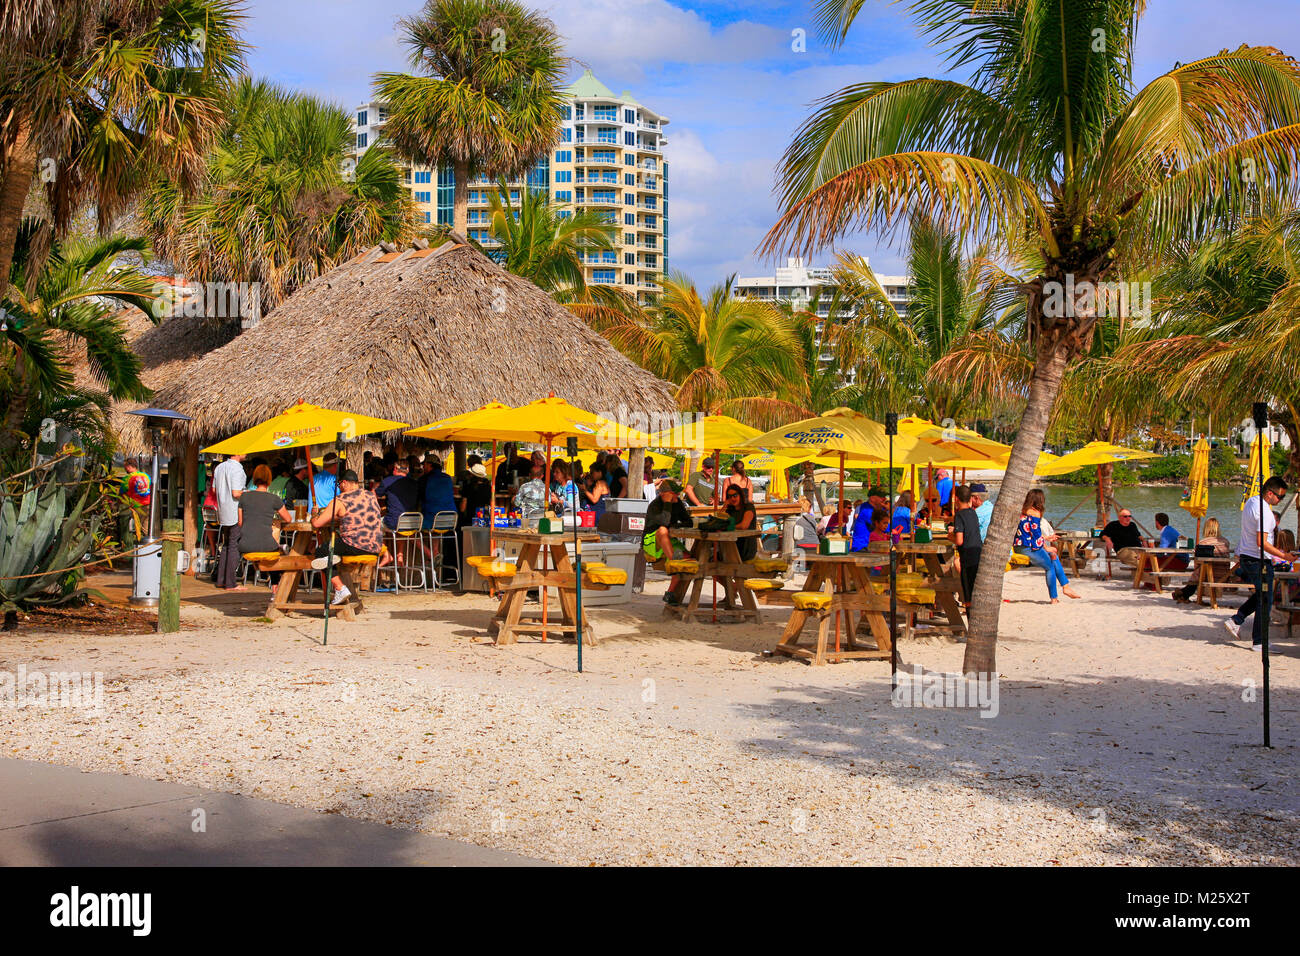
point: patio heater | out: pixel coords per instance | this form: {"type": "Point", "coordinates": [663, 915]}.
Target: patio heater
{"type": "Point", "coordinates": [146, 566]}
{"type": "Point", "coordinates": [891, 429]}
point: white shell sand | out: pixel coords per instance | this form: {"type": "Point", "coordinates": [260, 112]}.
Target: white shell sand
{"type": "Point", "coordinates": [1122, 738]}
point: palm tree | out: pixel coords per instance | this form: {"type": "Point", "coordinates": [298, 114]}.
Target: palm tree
{"type": "Point", "coordinates": [822, 385]}
{"type": "Point", "coordinates": [1049, 143]}
{"type": "Point", "coordinates": [545, 243]}
{"type": "Point", "coordinates": [487, 101]}
{"type": "Point", "coordinates": [727, 355]}
{"type": "Point", "coordinates": [281, 204]}
{"type": "Point", "coordinates": [955, 350]}
{"type": "Point", "coordinates": [98, 95]}
{"type": "Point", "coordinates": [68, 300]}
{"type": "Point", "coordinates": [1228, 325]}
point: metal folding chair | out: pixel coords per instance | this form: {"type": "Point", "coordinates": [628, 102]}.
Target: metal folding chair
{"type": "Point", "coordinates": [444, 523]}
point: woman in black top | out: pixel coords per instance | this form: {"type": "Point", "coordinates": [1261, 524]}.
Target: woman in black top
{"type": "Point", "coordinates": [743, 516]}
{"type": "Point", "coordinates": [256, 509]}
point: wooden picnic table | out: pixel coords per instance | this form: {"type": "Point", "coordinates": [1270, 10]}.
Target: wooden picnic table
{"type": "Point", "coordinates": [717, 554]}
{"type": "Point", "coordinates": [284, 597]}
{"type": "Point", "coordinates": [1214, 575]}
{"type": "Point", "coordinates": [1150, 566]}
{"type": "Point", "coordinates": [1073, 548]}
{"type": "Point", "coordinates": [845, 578]}
{"type": "Point", "coordinates": [507, 623]}
{"type": "Point", "coordinates": [944, 579]}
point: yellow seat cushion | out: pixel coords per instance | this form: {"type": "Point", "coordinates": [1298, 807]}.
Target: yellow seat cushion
{"type": "Point", "coordinates": [811, 600]}
{"type": "Point", "coordinates": [263, 556]}
{"type": "Point", "coordinates": [478, 560]}
{"type": "Point", "coordinates": [910, 579]}
{"type": "Point", "coordinates": [496, 569]}
{"type": "Point", "coordinates": [761, 584]}
{"type": "Point", "coordinates": [588, 565]}
{"type": "Point", "coordinates": [604, 575]}
{"type": "Point", "coordinates": [916, 595]}
{"type": "Point", "coordinates": [359, 559]}
{"type": "Point", "coordinates": [770, 564]}
{"type": "Point", "coordinates": [1019, 560]}
{"type": "Point", "coordinates": [682, 566]}
{"type": "Point", "coordinates": [880, 587]}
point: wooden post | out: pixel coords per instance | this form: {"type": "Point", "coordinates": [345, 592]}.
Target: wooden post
{"type": "Point", "coordinates": [193, 504]}
{"type": "Point", "coordinates": [635, 471]}
{"type": "Point", "coordinates": [460, 457]}
{"type": "Point", "coordinates": [169, 592]}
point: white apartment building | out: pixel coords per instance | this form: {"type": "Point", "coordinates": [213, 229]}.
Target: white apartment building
{"type": "Point", "coordinates": [609, 158]}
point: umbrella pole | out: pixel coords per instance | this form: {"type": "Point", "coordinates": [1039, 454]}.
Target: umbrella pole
{"type": "Point", "coordinates": [717, 502]}
{"type": "Point", "coordinates": [840, 505]}
{"type": "Point", "coordinates": [543, 551]}
{"type": "Point", "coordinates": [577, 552]}
{"type": "Point", "coordinates": [492, 519]}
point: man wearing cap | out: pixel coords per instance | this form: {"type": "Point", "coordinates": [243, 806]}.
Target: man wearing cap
{"type": "Point", "coordinates": [664, 513]}
{"type": "Point", "coordinates": [699, 487]}
{"type": "Point", "coordinates": [983, 507]}
{"type": "Point", "coordinates": [355, 511]}
{"type": "Point", "coordinates": [324, 485]}
{"type": "Point", "coordinates": [295, 488]}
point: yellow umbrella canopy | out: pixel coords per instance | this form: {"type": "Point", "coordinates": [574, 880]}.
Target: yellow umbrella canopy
{"type": "Point", "coordinates": [446, 428]}
{"type": "Point", "coordinates": [299, 425]}
{"type": "Point", "coordinates": [1197, 500]}
{"type": "Point", "coordinates": [708, 433]}
{"type": "Point", "coordinates": [1093, 453]}
{"type": "Point", "coordinates": [545, 418]}
{"type": "Point", "coordinates": [1258, 452]}
{"type": "Point", "coordinates": [844, 432]}
{"type": "Point", "coordinates": [971, 446]}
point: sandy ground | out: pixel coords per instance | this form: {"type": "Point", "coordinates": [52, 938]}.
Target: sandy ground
{"type": "Point", "coordinates": [1127, 733]}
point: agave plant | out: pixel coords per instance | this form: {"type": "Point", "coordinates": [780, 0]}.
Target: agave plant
{"type": "Point", "coordinates": [41, 546]}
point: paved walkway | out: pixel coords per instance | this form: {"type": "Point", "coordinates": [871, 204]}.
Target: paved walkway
{"type": "Point", "coordinates": [61, 816]}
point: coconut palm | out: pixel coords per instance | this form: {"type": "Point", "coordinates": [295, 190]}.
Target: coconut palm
{"type": "Point", "coordinates": [1051, 143]}
{"type": "Point", "coordinates": [727, 355]}
{"type": "Point", "coordinates": [487, 98]}
{"type": "Point", "coordinates": [957, 347]}
{"type": "Point", "coordinates": [98, 95]}
{"type": "Point", "coordinates": [283, 202]}
{"type": "Point", "coordinates": [69, 300]}
{"type": "Point", "coordinates": [1227, 328]}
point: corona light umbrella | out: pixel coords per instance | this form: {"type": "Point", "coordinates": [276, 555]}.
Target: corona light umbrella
{"type": "Point", "coordinates": [974, 449]}
{"type": "Point", "coordinates": [301, 425]}
{"type": "Point", "coordinates": [1258, 471]}
{"type": "Point", "coordinates": [850, 437]}
{"type": "Point", "coordinates": [777, 466]}
{"type": "Point", "coordinates": [1197, 500]}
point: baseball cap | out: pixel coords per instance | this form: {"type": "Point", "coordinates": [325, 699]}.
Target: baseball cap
{"type": "Point", "coordinates": [978, 489]}
{"type": "Point", "coordinates": [330, 458]}
{"type": "Point", "coordinates": [669, 485]}
{"type": "Point", "coordinates": [707, 463]}
{"type": "Point", "coordinates": [299, 464]}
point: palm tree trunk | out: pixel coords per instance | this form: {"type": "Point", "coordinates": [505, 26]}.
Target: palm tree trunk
{"type": "Point", "coordinates": [20, 396]}
{"type": "Point", "coordinates": [460, 200]}
{"type": "Point", "coordinates": [20, 167]}
{"type": "Point", "coordinates": [1105, 491]}
{"type": "Point", "coordinates": [986, 602]}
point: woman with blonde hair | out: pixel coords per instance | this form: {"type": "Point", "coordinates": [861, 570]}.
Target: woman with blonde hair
{"type": "Point", "coordinates": [1210, 537]}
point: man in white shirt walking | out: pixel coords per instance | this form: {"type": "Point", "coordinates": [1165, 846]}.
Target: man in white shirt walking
{"type": "Point", "coordinates": [1255, 547]}
{"type": "Point", "coordinates": [228, 482]}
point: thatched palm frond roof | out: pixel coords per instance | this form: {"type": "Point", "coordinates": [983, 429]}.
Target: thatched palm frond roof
{"type": "Point", "coordinates": [414, 335]}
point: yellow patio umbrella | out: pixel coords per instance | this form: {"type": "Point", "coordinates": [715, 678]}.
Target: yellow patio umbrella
{"type": "Point", "coordinates": [708, 433]}
{"type": "Point", "coordinates": [1093, 453]}
{"type": "Point", "coordinates": [1197, 500]}
{"type": "Point", "coordinates": [300, 425]}
{"type": "Point", "coordinates": [444, 429]}
{"type": "Point", "coordinates": [1258, 452]}
{"type": "Point", "coordinates": [777, 467]}
{"type": "Point", "coordinates": [973, 448]}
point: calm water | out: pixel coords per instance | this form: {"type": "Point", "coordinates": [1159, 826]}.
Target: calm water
{"type": "Point", "coordinates": [1144, 502]}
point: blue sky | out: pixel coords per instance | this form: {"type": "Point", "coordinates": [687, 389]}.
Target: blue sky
{"type": "Point", "coordinates": [726, 75]}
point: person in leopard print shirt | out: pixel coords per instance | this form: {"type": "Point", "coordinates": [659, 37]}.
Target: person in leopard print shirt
{"type": "Point", "coordinates": [355, 512]}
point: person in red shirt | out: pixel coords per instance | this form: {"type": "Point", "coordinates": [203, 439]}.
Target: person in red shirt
{"type": "Point", "coordinates": [133, 520]}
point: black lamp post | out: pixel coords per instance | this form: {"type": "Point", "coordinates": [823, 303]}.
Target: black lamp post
{"type": "Point", "coordinates": [891, 429]}
{"type": "Point", "coordinates": [1264, 583]}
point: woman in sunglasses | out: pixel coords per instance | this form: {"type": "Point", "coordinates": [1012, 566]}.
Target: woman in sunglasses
{"type": "Point", "coordinates": [741, 516]}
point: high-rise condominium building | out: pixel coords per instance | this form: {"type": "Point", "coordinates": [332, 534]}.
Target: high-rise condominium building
{"type": "Point", "coordinates": [609, 158]}
{"type": "Point", "coordinates": [798, 285]}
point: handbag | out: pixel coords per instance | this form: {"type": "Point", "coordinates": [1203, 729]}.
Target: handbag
{"type": "Point", "coordinates": [1204, 551]}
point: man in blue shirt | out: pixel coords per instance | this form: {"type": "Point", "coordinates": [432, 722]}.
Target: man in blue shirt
{"type": "Point", "coordinates": [1168, 535]}
{"type": "Point", "coordinates": [943, 485]}
{"type": "Point", "coordinates": [439, 492]}
{"type": "Point", "coordinates": [325, 483]}
{"type": "Point", "coordinates": [398, 493]}
{"type": "Point", "coordinates": [983, 507]}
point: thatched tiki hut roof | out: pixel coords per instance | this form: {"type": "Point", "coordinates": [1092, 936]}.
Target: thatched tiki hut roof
{"type": "Point", "coordinates": [166, 351]}
{"type": "Point", "coordinates": [413, 335]}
